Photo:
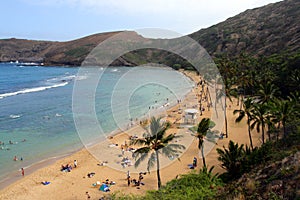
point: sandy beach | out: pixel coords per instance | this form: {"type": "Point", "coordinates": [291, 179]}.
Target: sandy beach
{"type": "Point", "coordinates": [106, 159]}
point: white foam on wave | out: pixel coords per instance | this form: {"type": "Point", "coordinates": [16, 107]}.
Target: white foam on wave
{"type": "Point", "coordinates": [79, 78]}
{"type": "Point", "coordinates": [14, 116]}
{"type": "Point", "coordinates": [63, 78]}
{"type": "Point", "coordinates": [68, 78]}
{"type": "Point", "coordinates": [29, 90]}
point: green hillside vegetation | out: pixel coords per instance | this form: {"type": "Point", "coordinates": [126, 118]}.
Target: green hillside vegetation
{"type": "Point", "coordinates": [195, 185]}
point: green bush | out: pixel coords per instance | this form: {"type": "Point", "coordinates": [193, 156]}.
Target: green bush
{"type": "Point", "coordinates": [192, 186]}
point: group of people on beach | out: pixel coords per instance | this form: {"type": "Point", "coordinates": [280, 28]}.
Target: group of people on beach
{"type": "Point", "coordinates": [68, 167]}
{"type": "Point", "coordinates": [135, 182]}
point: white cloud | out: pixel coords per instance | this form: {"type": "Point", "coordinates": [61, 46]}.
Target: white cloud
{"type": "Point", "coordinates": [183, 16]}
{"type": "Point", "coordinates": [160, 6]}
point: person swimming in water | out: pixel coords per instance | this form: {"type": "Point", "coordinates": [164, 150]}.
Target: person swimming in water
{"type": "Point", "coordinates": [15, 158]}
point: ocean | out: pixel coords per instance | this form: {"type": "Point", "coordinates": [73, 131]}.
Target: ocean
{"type": "Point", "coordinates": [37, 116]}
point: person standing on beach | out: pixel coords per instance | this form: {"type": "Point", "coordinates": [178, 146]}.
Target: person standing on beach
{"type": "Point", "coordinates": [195, 162]}
{"type": "Point", "coordinates": [128, 178]}
{"type": "Point", "coordinates": [23, 172]}
{"type": "Point", "coordinates": [75, 163]}
{"type": "Point", "coordinates": [128, 181]}
{"type": "Point", "coordinates": [123, 151]}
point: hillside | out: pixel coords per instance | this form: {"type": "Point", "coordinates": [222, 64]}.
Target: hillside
{"type": "Point", "coordinates": [262, 31]}
{"type": "Point", "coordinates": [50, 53]}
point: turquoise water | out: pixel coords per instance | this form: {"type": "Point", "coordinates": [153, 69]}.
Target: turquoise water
{"type": "Point", "coordinates": [36, 107]}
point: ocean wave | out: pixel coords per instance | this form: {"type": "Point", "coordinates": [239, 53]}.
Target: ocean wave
{"type": "Point", "coordinates": [79, 78]}
{"type": "Point", "coordinates": [14, 116]}
{"type": "Point", "coordinates": [61, 79]}
{"type": "Point", "coordinates": [29, 90]}
{"type": "Point", "coordinates": [67, 78]}
{"type": "Point", "coordinates": [58, 115]}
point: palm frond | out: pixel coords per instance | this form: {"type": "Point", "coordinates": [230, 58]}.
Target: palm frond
{"type": "Point", "coordinates": [168, 138]}
{"type": "Point", "coordinates": [151, 161]}
{"type": "Point", "coordinates": [141, 150]}
{"type": "Point", "coordinates": [176, 147]}
{"type": "Point", "coordinates": [140, 155]}
{"type": "Point", "coordinates": [138, 141]}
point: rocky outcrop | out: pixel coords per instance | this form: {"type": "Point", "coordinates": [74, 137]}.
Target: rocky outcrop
{"type": "Point", "coordinates": [278, 180]}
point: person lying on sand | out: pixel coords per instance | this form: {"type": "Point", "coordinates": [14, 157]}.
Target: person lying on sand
{"type": "Point", "coordinates": [46, 182]}
{"type": "Point", "coordinates": [66, 168]}
{"type": "Point", "coordinates": [90, 175]}
{"type": "Point", "coordinates": [102, 163]}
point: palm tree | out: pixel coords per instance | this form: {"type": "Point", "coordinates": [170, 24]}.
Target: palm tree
{"type": "Point", "coordinates": [227, 69]}
{"type": "Point", "coordinates": [244, 64]}
{"type": "Point", "coordinates": [259, 117]}
{"type": "Point", "coordinates": [155, 142]}
{"type": "Point", "coordinates": [248, 107]}
{"type": "Point", "coordinates": [202, 129]}
{"type": "Point", "coordinates": [270, 121]}
{"type": "Point", "coordinates": [230, 92]}
{"type": "Point", "coordinates": [283, 111]}
{"type": "Point", "coordinates": [267, 92]}
{"type": "Point", "coordinates": [232, 158]}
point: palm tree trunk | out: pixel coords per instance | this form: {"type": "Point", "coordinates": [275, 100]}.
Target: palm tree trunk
{"type": "Point", "coordinates": [203, 158]}
{"type": "Point", "coordinates": [277, 133]}
{"type": "Point", "coordinates": [263, 132]}
{"type": "Point", "coordinates": [284, 130]}
{"type": "Point", "coordinates": [207, 92]}
{"type": "Point", "coordinates": [216, 100]}
{"type": "Point", "coordinates": [249, 132]}
{"type": "Point", "coordinates": [157, 171]}
{"type": "Point", "coordinates": [269, 132]}
{"type": "Point", "coordinates": [225, 115]}
{"type": "Point", "coordinates": [242, 100]}
{"type": "Point", "coordinates": [202, 91]}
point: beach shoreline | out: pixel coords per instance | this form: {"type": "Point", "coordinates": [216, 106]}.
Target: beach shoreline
{"type": "Point", "coordinates": [13, 177]}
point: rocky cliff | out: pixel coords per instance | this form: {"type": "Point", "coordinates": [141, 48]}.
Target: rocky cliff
{"type": "Point", "coordinates": [262, 31]}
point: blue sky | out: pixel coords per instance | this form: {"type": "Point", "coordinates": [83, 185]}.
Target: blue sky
{"type": "Point", "coordinates": [70, 19]}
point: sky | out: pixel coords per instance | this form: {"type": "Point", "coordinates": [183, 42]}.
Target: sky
{"type": "Point", "coordinates": [62, 20]}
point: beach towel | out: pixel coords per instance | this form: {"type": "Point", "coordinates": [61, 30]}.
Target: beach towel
{"type": "Point", "coordinates": [191, 166]}
{"type": "Point", "coordinates": [104, 187]}
{"type": "Point", "coordinates": [46, 183]}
